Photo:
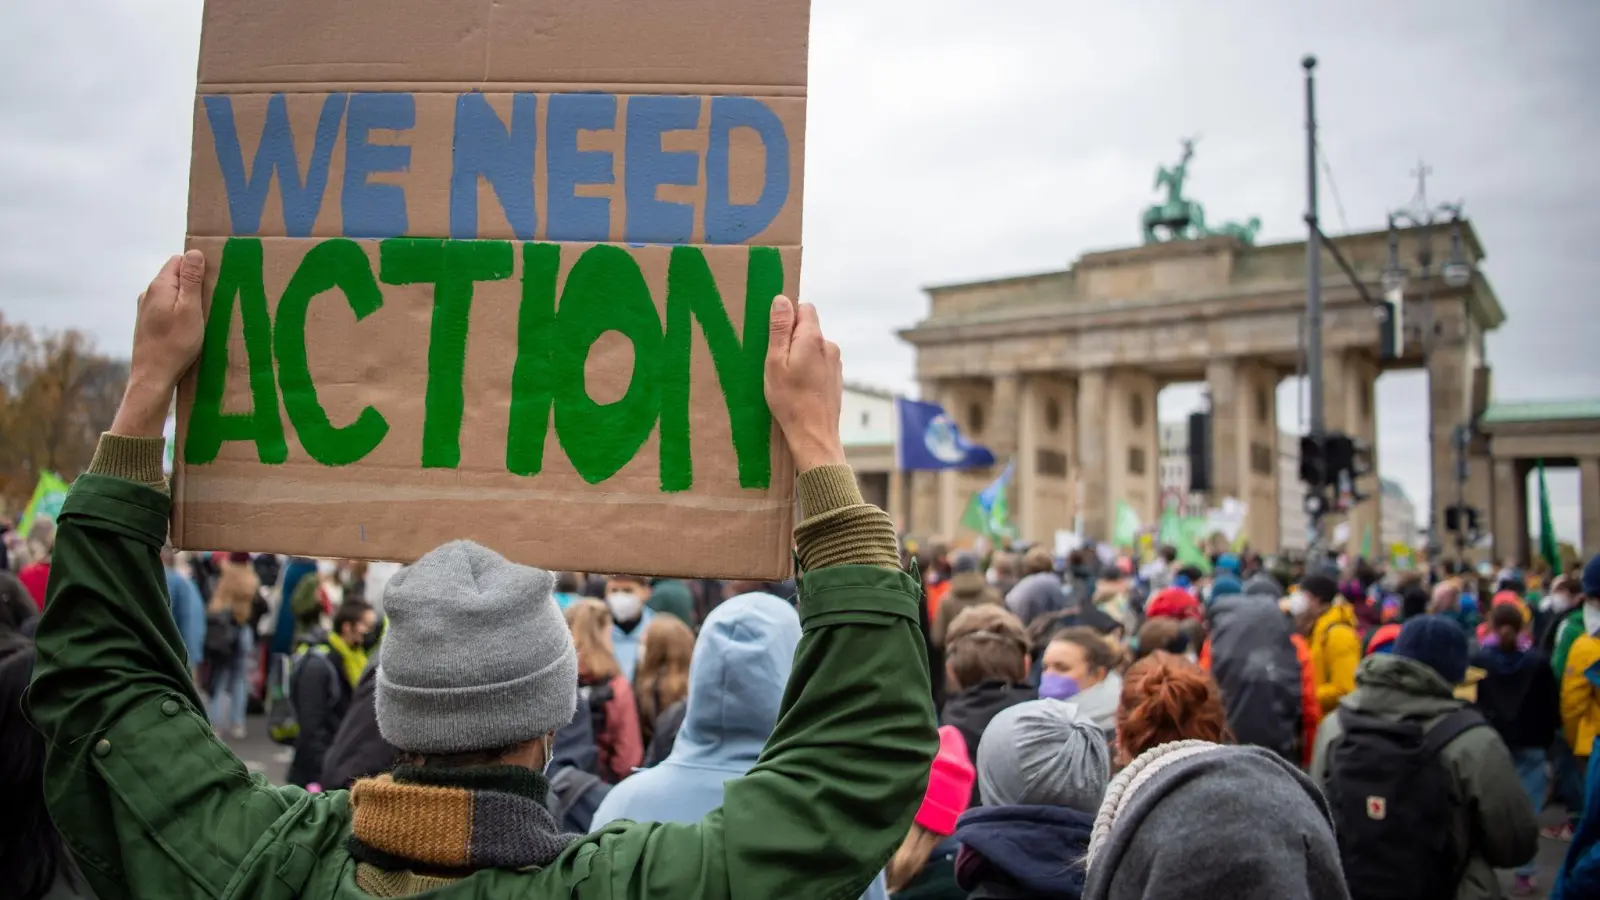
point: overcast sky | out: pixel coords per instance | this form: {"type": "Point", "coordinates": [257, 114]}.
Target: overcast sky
{"type": "Point", "coordinates": [953, 140]}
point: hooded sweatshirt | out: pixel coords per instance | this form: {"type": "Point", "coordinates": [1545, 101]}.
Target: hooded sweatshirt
{"type": "Point", "coordinates": [1519, 696]}
{"type": "Point", "coordinates": [1099, 703]}
{"type": "Point", "coordinates": [1036, 595]}
{"type": "Point", "coordinates": [737, 676]}
{"type": "Point", "coordinates": [1256, 668]}
{"type": "Point", "coordinates": [1267, 832]}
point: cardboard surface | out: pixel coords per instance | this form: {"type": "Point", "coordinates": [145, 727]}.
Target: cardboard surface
{"type": "Point", "coordinates": [498, 271]}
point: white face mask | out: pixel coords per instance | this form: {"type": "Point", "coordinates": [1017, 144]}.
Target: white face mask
{"type": "Point", "coordinates": [624, 605]}
{"type": "Point", "coordinates": [1591, 619]}
{"type": "Point", "coordinates": [991, 576]}
{"type": "Point", "coordinates": [1561, 601]}
{"type": "Point", "coordinates": [1299, 603]}
{"type": "Point", "coordinates": [327, 567]}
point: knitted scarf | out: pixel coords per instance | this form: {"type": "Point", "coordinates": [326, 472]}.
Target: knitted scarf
{"type": "Point", "coordinates": [426, 826]}
{"type": "Point", "coordinates": [1127, 784]}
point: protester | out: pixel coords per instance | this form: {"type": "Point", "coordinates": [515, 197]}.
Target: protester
{"type": "Point", "coordinates": [322, 684]}
{"type": "Point", "coordinates": [662, 681]}
{"type": "Point", "coordinates": [1423, 792]}
{"type": "Point", "coordinates": [1174, 602]}
{"type": "Point", "coordinates": [967, 589]}
{"type": "Point", "coordinates": [1039, 592]}
{"type": "Point", "coordinates": [1519, 696]}
{"type": "Point", "coordinates": [34, 863]}
{"type": "Point", "coordinates": [229, 643]}
{"type": "Point", "coordinates": [471, 700]}
{"type": "Point", "coordinates": [1580, 686]}
{"type": "Point", "coordinates": [188, 610]}
{"type": "Point", "coordinates": [1192, 819]}
{"type": "Point", "coordinates": [1080, 666]}
{"type": "Point", "coordinates": [1042, 771]}
{"type": "Point", "coordinates": [1254, 663]}
{"type": "Point", "coordinates": [1335, 643]}
{"type": "Point", "coordinates": [924, 868]}
{"type": "Point", "coordinates": [1579, 875]}
{"type": "Point", "coordinates": [986, 669]}
{"type": "Point", "coordinates": [1004, 572]}
{"type": "Point", "coordinates": [1160, 635]}
{"type": "Point", "coordinates": [605, 691]}
{"type": "Point", "coordinates": [671, 596]}
{"type": "Point", "coordinates": [35, 576]}
{"type": "Point", "coordinates": [358, 749]}
{"type": "Point", "coordinates": [1167, 698]}
{"type": "Point", "coordinates": [568, 590]}
{"type": "Point", "coordinates": [290, 621]}
{"type": "Point", "coordinates": [626, 599]}
{"type": "Point", "coordinates": [18, 614]}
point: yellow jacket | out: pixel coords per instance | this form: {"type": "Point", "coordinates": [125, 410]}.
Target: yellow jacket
{"type": "Point", "coordinates": [1335, 653]}
{"type": "Point", "coordinates": [1580, 699]}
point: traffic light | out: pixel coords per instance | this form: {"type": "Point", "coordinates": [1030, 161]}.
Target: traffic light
{"type": "Point", "coordinates": [1313, 462]}
{"type": "Point", "coordinates": [1200, 452]}
{"type": "Point", "coordinates": [1346, 460]}
{"type": "Point", "coordinates": [1391, 325]}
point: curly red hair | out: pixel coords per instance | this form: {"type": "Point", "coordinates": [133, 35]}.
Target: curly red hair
{"type": "Point", "coordinates": [1166, 698]}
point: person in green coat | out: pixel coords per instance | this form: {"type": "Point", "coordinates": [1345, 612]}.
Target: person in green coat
{"type": "Point", "coordinates": [151, 804]}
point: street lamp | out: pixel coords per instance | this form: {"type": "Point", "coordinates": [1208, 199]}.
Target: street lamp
{"type": "Point", "coordinates": [1456, 272]}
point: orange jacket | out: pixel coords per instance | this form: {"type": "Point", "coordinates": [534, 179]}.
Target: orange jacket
{"type": "Point", "coordinates": [1310, 709]}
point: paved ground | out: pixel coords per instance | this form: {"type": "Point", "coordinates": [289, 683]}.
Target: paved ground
{"type": "Point", "coordinates": [260, 754]}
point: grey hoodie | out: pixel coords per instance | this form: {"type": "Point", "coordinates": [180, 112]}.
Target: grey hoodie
{"type": "Point", "coordinates": [1494, 811]}
{"type": "Point", "coordinates": [1191, 819]}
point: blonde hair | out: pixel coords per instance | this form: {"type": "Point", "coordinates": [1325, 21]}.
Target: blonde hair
{"type": "Point", "coordinates": [911, 857]}
{"type": "Point", "coordinates": [662, 677]}
{"type": "Point", "coordinates": [590, 622]}
{"type": "Point", "coordinates": [236, 587]}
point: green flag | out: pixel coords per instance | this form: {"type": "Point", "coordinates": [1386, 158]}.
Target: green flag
{"type": "Point", "coordinates": [1126, 531]}
{"type": "Point", "coordinates": [1366, 542]}
{"type": "Point", "coordinates": [1190, 555]}
{"type": "Point", "coordinates": [1547, 529]}
{"type": "Point", "coordinates": [1171, 533]}
{"type": "Point", "coordinates": [48, 495]}
{"type": "Point", "coordinates": [974, 518]}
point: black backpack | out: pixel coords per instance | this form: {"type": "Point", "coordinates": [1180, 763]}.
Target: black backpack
{"type": "Point", "coordinates": [222, 637]}
{"type": "Point", "coordinates": [1393, 806]}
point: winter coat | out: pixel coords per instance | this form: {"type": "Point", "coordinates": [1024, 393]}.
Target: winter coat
{"type": "Point", "coordinates": [154, 805]}
{"type": "Point", "coordinates": [1310, 708]}
{"type": "Point", "coordinates": [189, 613]}
{"type": "Point", "coordinates": [1580, 695]}
{"type": "Point", "coordinates": [358, 750]}
{"type": "Point", "coordinates": [1579, 875]}
{"type": "Point", "coordinates": [967, 589]}
{"type": "Point", "coordinates": [1099, 703]}
{"type": "Point", "coordinates": [741, 665]}
{"type": "Point", "coordinates": [936, 880]}
{"type": "Point", "coordinates": [1335, 653]}
{"type": "Point", "coordinates": [321, 696]}
{"type": "Point", "coordinates": [625, 644]}
{"type": "Point", "coordinates": [1036, 595]}
{"type": "Point", "coordinates": [1519, 696]}
{"type": "Point", "coordinates": [971, 710]}
{"type": "Point", "coordinates": [619, 741]}
{"type": "Point", "coordinates": [1015, 852]}
{"type": "Point", "coordinates": [665, 734]}
{"type": "Point", "coordinates": [672, 597]}
{"type": "Point", "coordinates": [1494, 823]}
{"type": "Point", "coordinates": [1257, 671]}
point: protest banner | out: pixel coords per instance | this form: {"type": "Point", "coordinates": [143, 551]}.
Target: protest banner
{"type": "Point", "coordinates": [496, 271]}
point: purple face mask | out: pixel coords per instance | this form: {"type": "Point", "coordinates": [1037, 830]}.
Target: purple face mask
{"type": "Point", "coordinates": [1057, 687]}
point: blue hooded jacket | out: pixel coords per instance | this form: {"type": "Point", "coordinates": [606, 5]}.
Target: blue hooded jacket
{"type": "Point", "coordinates": [625, 644]}
{"type": "Point", "coordinates": [1023, 851]}
{"type": "Point", "coordinates": [737, 675]}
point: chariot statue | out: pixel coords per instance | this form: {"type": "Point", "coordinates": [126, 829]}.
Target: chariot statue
{"type": "Point", "coordinates": [1183, 219]}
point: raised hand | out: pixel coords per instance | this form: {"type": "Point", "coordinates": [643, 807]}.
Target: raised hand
{"type": "Point", "coordinates": [804, 385]}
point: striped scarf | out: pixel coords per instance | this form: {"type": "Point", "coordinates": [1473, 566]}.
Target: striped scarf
{"type": "Point", "coordinates": [442, 824]}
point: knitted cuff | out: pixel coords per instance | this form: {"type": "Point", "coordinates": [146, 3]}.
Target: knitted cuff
{"type": "Point", "coordinates": [840, 529]}
{"type": "Point", "coordinates": [131, 459]}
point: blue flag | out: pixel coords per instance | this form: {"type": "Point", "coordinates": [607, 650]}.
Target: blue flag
{"type": "Point", "coordinates": [930, 440]}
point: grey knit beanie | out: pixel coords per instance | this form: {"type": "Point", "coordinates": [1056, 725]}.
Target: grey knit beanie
{"type": "Point", "coordinates": [1043, 753]}
{"type": "Point", "coordinates": [477, 655]}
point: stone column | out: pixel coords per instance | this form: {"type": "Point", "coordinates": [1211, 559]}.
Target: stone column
{"type": "Point", "coordinates": [1229, 429]}
{"type": "Point", "coordinates": [1093, 462]}
{"type": "Point", "coordinates": [1244, 444]}
{"type": "Point", "coordinates": [1001, 433]}
{"type": "Point", "coordinates": [1133, 459]}
{"type": "Point", "coordinates": [1589, 492]}
{"type": "Point", "coordinates": [1510, 521]}
{"type": "Point", "coordinates": [1025, 509]}
{"type": "Point", "coordinates": [1449, 370]}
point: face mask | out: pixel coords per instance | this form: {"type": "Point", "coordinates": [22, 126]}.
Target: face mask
{"type": "Point", "coordinates": [1298, 603]}
{"type": "Point", "coordinates": [549, 754]}
{"type": "Point", "coordinates": [624, 605]}
{"type": "Point", "coordinates": [1591, 619]}
{"type": "Point", "coordinates": [1561, 602]}
{"type": "Point", "coordinates": [991, 576]}
{"type": "Point", "coordinates": [327, 567]}
{"type": "Point", "coordinates": [369, 641]}
{"type": "Point", "coordinates": [1055, 686]}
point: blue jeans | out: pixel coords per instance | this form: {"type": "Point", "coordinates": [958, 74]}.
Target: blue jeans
{"type": "Point", "coordinates": [230, 682]}
{"type": "Point", "coordinates": [1569, 771]}
{"type": "Point", "coordinates": [1531, 772]}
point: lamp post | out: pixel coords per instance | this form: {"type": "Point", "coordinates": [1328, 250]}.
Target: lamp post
{"type": "Point", "coordinates": [1456, 272]}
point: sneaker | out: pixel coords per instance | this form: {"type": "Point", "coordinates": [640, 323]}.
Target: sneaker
{"type": "Point", "coordinates": [1562, 832]}
{"type": "Point", "coordinates": [238, 735]}
{"type": "Point", "coordinates": [1525, 886]}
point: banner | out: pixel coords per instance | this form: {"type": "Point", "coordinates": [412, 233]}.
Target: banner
{"type": "Point", "coordinates": [987, 512]}
{"type": "Point", "coordinates": [928, 440]}
{"type": "Point", "coordinates": [1126, 528]}
{"type": "Point", "coordinates": [498, 271]}
{"type": "Point", "coordinates": [48, 495]}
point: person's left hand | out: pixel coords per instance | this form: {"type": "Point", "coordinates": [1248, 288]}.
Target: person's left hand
{"type": "Point", "coordinates": [167, 332]}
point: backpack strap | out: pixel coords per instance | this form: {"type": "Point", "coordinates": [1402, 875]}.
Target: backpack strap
{"type": "Point", "coordinates": [567, 787]}
{"type": "Point", "coordinates": [1449, 728]}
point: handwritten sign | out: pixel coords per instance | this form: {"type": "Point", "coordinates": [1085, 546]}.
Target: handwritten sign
{"type": "Point", "coordinates": [500, 272]}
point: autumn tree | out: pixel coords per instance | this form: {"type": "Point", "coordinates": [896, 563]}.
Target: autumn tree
{"type": "Point", "coordinates": [57, 393]}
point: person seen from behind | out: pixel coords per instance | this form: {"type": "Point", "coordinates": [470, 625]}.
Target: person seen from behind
{"type": "Point", "coordinates": [1042, 771]}
{"type": "Point", "coordinates": [924, 868]}
{"type": "Point", "coordinates": [1040, 591]}
{"type": "Point", "coordinates": [322, 682]}
{"type": "Point", "coordinates": [967, 589]}
{"type": "Point", "coordinates": [627, 597]}
{"type": "Point", "coordinates": [188, 610]}
{"type": "Point", "coordinates": [672, 597]}
{"type": "Point", "coordinates": [661, 683]}
{"type": "Point", "coordinates": [1080, 666]}
{"type": "Point", "coordinates": [1520, 698]}
{"type": "Point", "coordinates": [605, 691]}
{"type": "Point", "coordinates": [1580, 687]}
{"type": "Point", "coordinates": [1167, 698]}
{"type": "Point", "coordinates": [130, 763]}
{"type": "Point", "coordinates": [1426, 797]}
{"type": "Point", "coordinates": [1335, 642]}
{"type": "Point", "coordinates": [986, 671]}
{"type": "Point", "coordinates": [35, 574]}
{"type": "Point", "coordinates": [1249, 653]}
{"type": "Point", "coordinates": [229, 643]}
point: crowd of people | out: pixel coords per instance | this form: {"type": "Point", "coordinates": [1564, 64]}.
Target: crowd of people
{"type": "Point", "coordinates": [962, 724]}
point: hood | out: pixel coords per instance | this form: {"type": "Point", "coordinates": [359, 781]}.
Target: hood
{"type": "Point", "coordinates": [1340, 613]}
{"type": "Point", "coordinates": [1099, 703]}
{"type": "Point", "coordinates": [1264, 585]}
{"type": "Point", "coordinates": [740, 667]}
{"type": "Point", "coordinates": [1398, 687]}
{"type": "Point", "coordinates": [1037, 850]}
{"type": "Point", "coordinates": [968, 586]}
{"type": "Point", "coordinates": [1495, 661]}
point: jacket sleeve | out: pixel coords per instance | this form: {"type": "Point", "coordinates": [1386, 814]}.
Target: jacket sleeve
{"type": "Point", "coordinates": [1504, 830]}
{"type": "Point", "coordinates": [148, 801]}
{"type": "Point", "coordinates": [1322, 746]}
{"type": "Point", "coordinates": [313, 693]}
{"type": "Point", "coordinates": [1579, 698]}
{"type": "Point", "coordinates": [622, 735]}
{"type": "Point", "coordinates": [1343, 649]}
{"type": "Point", "coordinates": [840, 778]}
{"type": "Point", "coordinates": [358, 749]}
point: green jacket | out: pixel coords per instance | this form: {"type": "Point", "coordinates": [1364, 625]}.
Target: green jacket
{"type": "Point", "coordinates": [1494, 819]}
{"type": "Point", "coordinates": [152, 805]}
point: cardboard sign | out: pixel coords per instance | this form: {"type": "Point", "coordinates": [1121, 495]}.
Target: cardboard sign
{"type": "Point", "coordinates": [498, 271]}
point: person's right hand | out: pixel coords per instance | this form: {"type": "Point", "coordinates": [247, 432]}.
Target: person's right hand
{"type": "Point", "coordinates": [804, 385]}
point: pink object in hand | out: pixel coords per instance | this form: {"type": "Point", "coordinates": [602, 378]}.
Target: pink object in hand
{"type": "Point", "coordinates": [313, 788]}
{"type": "Point", "coordinates": [949, 784]}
